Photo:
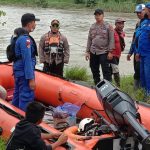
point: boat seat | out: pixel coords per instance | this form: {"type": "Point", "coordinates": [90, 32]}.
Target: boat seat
{"type": "Point", "coordinates": [9, 94]}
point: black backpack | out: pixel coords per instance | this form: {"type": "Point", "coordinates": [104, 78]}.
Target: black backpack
{"type": "Point", "coordinates": [10, 51]}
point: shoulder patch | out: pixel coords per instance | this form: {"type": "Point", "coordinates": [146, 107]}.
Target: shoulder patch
{"type": "Point", "coordinates": [28, 43]}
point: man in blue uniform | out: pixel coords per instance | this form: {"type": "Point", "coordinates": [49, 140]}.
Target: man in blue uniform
{"type": "Point", "coordinates": [140, 11]}
{"type": "Point", "coordinates": [24, 66]}
{"type": "Point", "coordinates": [143, 52]}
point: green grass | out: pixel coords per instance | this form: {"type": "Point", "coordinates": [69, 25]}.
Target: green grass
{"type": "Point", "coordinates": [128, 87]}
{"type": "Point", "coordinates": [63, 4]}
{"type": "Point", "coordinates": [77, 73]}
{"type": "Point", "coordinates": [2, 144]}
{"type": "Point", "coordinates": [110, 5]}
{"type": "Point", "coordinates": [80, 73]}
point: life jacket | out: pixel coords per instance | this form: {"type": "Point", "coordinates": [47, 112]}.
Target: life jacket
{"type": "Point", "coordinates": [53, 44]}
{"type": "Point", "coordinates": [10, 50]}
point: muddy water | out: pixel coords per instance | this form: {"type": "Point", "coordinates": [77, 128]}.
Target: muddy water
{"type": "Point", "coordinates": [74, 25]}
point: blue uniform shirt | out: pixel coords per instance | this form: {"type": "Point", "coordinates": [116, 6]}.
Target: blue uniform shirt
{"type": "Point", "coordinates": [134, 44]}
{"type": "Point", "coordinates": [25, 49]}
{"type": "Point", "coordinates": [144, 39]}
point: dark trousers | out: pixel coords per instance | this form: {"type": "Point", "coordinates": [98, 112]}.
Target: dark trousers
{"type": "Point", "coordinates": [136, 69]}
{"type": "Point", "coordinates": [54, 69]}
{"type": "Point", "coordinates": [100, 60]}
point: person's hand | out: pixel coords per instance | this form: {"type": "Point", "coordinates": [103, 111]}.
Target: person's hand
{"type": "Point", "coordinates": [32, 84]}
{"type": "Point", "coordinates": [137, 57]}
{"type": "Point", "coordinates": [62, 139]}
{"type": "Point", "coordinates": [56, 135]}
{"type": "Point", "coordinates": [129, 57]}
{"type": "Point", "coordinates": [87, 56]}
{"type": "Point", "coordinates": [110, 56]}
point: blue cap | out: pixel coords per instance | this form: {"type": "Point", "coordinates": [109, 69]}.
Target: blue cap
{"type": "Point", "coordinates": [139, 8]}
{"type": "Point", "coordinates": [147, 5]}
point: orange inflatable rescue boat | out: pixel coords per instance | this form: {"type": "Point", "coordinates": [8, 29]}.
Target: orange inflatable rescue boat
{"type": "Point", "coordinates": [55, 91]}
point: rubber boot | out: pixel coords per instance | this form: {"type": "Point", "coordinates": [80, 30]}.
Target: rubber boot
{"type": "Point", "coordinates": [136, 84]}
{"type": "Point", "coordinates": [117, 79]}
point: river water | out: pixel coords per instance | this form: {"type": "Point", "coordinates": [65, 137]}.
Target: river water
{"type": "Point", "coordinates": [75, 25]}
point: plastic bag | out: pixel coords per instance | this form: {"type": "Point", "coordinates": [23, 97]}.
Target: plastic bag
{"type": "Point", "coordinates": [65, 113]}
{"type": "Point", "coordinates": [71, 109]}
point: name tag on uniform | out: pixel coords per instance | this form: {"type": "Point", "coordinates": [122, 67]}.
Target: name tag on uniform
{"type": "Point", "coordinates": [53, 49]}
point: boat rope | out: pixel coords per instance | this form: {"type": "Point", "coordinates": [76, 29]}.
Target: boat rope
{"type": "Point", "coordinates": [11, 112]}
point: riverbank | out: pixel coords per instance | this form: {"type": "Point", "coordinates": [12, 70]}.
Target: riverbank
{"type": "Point", "coordinates": [79, 73]}
{"type": "Point", "coordinates": [109, 6]}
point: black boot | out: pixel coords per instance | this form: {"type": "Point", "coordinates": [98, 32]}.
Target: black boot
{"type": "Point", "coordinates": [117, 79]}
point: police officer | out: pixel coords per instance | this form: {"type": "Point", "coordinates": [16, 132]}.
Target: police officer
{"type": "Point", "coordinates": [54, 50]}
{"type": "Point", "coordinates": [140, 11]}
{"type": "Point", "coordinates": [99, 47]}
{"type": "Point", "coordinates": [143, 52]}
{"type": "Point", "coordinates": [25, 50]}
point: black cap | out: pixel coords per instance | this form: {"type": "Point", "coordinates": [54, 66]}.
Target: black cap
{"type": "Point", "coordinates": [99, 11]}
{"type": "Point", "coordinates": [28, 17]}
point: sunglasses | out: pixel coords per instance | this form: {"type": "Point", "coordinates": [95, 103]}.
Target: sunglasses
{"type": "Point", "coordinates": [55, 25]}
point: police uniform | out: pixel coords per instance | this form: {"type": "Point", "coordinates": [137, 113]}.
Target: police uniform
{"type": "Point", "coordinates": [144, 52]}
{"type": "Point", "coordinates": [134, 45]}
{"type": "Point", "coordinates": [100, 42]}
{"type": "Point", "coordinates": [23, 69]}
{"type": "Point", "coordinates": [54, 52]}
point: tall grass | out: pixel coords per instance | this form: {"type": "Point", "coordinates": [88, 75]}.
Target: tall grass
{"type": "Point", "coordinates": [112, 6]}
{"type": "Point", "coordinates": [2, 144]}
{"type": "Point", "coordinates": [107, 5]}
{"type": "Point", "coordinates": [77, 73]}
{"type": "Point", "coordinates": [128, 87]}
{"type": "Point", "coordinates": [80, 73]}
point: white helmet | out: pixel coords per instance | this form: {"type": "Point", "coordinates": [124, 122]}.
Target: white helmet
{"type": "Point", "coordinates": [139, 8]}
{"type": "Point", "coordinates": [85, 123]}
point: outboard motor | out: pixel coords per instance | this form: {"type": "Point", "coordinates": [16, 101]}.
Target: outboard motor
{"type": "Point", "coordinates": [122, 111]}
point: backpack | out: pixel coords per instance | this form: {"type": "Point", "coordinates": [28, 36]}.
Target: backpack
{"type": "Point", "coordinates": [10, 50]}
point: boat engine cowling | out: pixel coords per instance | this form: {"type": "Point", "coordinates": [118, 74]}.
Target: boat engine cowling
{"type": "Point", "coordinates": [121, 110]}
